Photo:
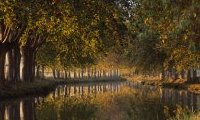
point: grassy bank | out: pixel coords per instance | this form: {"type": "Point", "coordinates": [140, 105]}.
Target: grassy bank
{"type": "Point", "coordinates": [175, 84]}
{"type": "Point", "coordinates": [192, 87]}
{"type": "Point", "coordinates": [39, 87]}
{"type": "Point", "coordinates": [145, 80]}
{"type": "Point", "coordinates": [91, 80]}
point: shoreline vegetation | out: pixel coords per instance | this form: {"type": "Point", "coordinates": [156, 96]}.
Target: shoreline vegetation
{"type": "Point", "coordinates": [175, 84]}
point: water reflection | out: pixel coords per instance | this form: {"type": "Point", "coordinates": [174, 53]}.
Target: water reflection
{"type": "Point", "coordinates": [181, 97]}
{"type": "Point", "coordinates": [18, 110]}
{"type": "Point", "coordinates": [171, 96]}
{"type": "Point", "coordinates": [12, 111]}
{"type": "Point", "coordinates": [27, 108]}
{"type": "Point", "coordinates": [87, 89]}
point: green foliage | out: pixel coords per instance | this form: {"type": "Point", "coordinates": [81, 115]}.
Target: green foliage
{"type": "Point", "coordinates": [86, 31]}
{"type": "Point", "coordinates": [174, 38]}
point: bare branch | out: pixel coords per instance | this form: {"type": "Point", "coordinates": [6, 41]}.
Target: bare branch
{"type": "Point", "coordinates": [6, 34]}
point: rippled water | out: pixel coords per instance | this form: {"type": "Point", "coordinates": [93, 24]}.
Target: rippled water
{"type": "Point", "coordinates": [91, 101]}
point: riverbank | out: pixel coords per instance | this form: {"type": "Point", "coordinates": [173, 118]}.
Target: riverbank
{"type": "Point", "coordinates": [39, 87]}
{"type": "Point", "coordinates": [91, 80]}
{"type": "Point", "coordinates": [175, 84]}
{"type": "Point", "coordinates": [192, 87]}
{"type": "Point", "coordinates": [42, 87]}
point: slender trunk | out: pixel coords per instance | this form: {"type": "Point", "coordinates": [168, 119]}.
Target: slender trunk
{"type": "Point", "coordinates": [32, 66]}
{"type": "Point", "coordinates": [92, 73]}
{"type": "Point", "coordinates": [2, 112]}
{"type": "Point", "coordinates": [58, 74]}
{"type": "Point", "coordinates": [174, 74]}
{"type": "Point", "coordinates": [182, 74]}
{"type": "Point", "coordinates": [104, 73]}
{"type": "Point", "coordinates": [65, 74]}
{"type": "Point", "coordinates": [82, 73]}
{"type": "Point", "coordinates": [194, 75]}
{"type": "Point", "coordinates": [111, 73]}
{"type": "Point", "coordinates": [79, 74]}
{"type": "Point", "coordinates": [170, 73]}
{"type": "Point", "coordinates": [98, 74]}
{"type": "Point", "coordinates": [2, 66]}
{"type": "Point", "coordinates": [43, 72]}
{"type": "Point", "coordinates": [54, 73]}
{"type": "Point", "coordinates": [38, 71]}
{"type": "Point", "coordinates": [95, 72]}
{"type": "Point", "coordinates": [88, 72]}
{"type": "Point", "coordinates": [69, 74]}
{"type": "Point", "coordinates": [117, 73]}
{"type": "Point", "coordinates": [10, 66]}
{"type": "Point", "coordinates": [74, 73]}
{"type": "Point", "coordinates": [163, 75]}
{"type": "Point", "coordinates": [188, 76]}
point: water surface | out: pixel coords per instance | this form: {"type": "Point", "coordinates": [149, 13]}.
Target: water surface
{"type": "Point", "coordinates": [99, 101]}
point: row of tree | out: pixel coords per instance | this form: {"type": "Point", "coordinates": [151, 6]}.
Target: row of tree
{"type": "Point", "coordinates": [151, 36]}
{"type": "Point", "coordinates": [57, 33]}
{"type": "Point", "coordinates": [164, 36]}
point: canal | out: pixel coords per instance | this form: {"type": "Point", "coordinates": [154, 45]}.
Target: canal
{"type": "Point", "coordinates": [102, 101]}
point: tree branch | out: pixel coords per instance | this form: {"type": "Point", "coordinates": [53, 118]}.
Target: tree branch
{"type": "Point", "coordinates": [6, 34]}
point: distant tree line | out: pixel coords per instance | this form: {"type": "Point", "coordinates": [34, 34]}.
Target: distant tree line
{"type": "Point", "coordinates": [165, 37]}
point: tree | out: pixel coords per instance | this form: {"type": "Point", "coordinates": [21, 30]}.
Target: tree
{"type": "Point", "coordinates": [13, 23]}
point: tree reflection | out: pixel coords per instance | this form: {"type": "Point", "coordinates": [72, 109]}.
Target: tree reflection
{"type": "Point", "coordinates": [12, 111]}
{"type": "Point", "coordinates": [2, 111]}
{"type": "Point", "coordinates": [101, 100]}
{"type": "Point", "coordinates": [28, 109]}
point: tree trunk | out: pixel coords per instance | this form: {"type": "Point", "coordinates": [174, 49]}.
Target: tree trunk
{"type": "Point", "coordinates": [2, 65]}
{"type": "Point", "coordinates": [88, 72]}
{"type": "Point", "coordinates": [79, 74]}
{"type": "Point", "coordinates": [17, 59]}
{"type": "Point", "coordinates": [95, 72]}
{"type": "Point", "coordinates": [117, 73]}
{"type": "Point", "coordinates": [58, 74]}
{"type": "Point", "coordinates": [65, 74]}
{"type": "Point", "coordinates": [188, 76]}
{"type": "Point", "coordinates": [163, 75]}
{"type": "Point", "coordinates": [194, 75]}
{"type": "Point", "coordinates": [29, 64]}
{"type": "Point", "coordinates": [43, 72]}
{"type": "Point", "coordinates": [182, 74]}
{"type": "Point", "coordinates": [2, 112]}
{"type": "Point", "coordinates": [14, 57]}
{"type": "Point", "coordinates": [74, 73]}
{"type": "Point", "coordinates": [104, 73]}
{"type": "Point", "coordinates": [54, 73]}
{"type": "Point", "coordinates": [38, 71]}
{"type": "Point", "coordinates": [69, 74]}
{"type": "Point", "coordinates": [92, 73]}
{"type": "Point", "coordinates": [82, 73]}
{"type": "Point", "coordinates": [10, 76]}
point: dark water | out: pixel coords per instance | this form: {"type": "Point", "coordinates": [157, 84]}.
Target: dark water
{"type": "Point", "coordinates": [46, 108]}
